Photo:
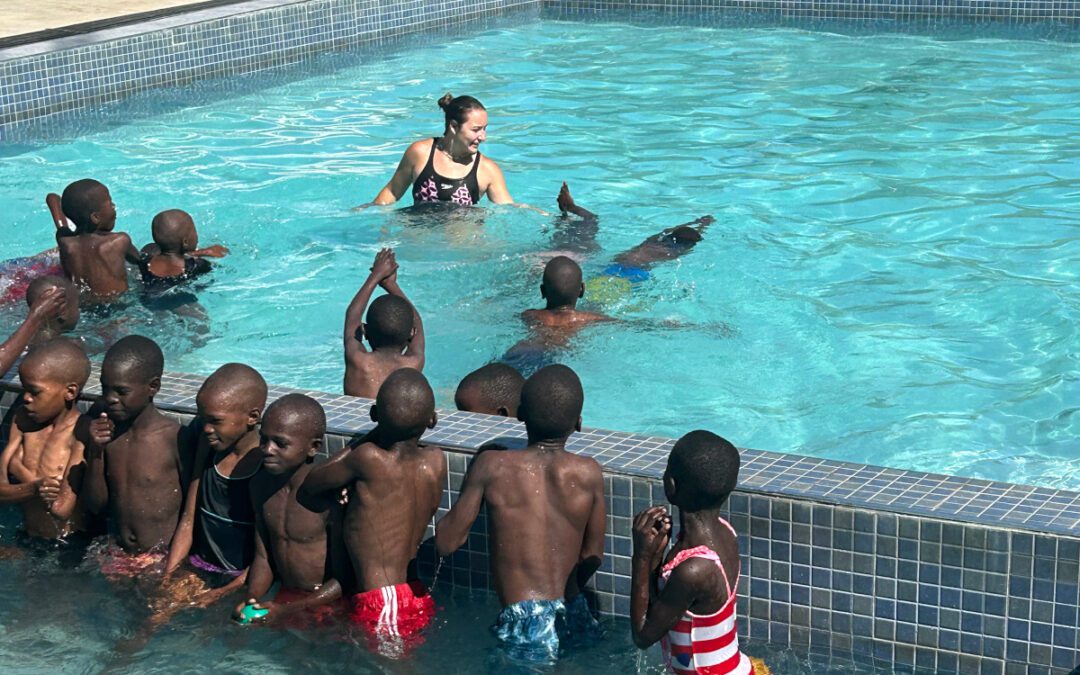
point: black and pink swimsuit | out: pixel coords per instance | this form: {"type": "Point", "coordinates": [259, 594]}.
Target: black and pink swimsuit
{"type": "Point", "coordinates": [431, 187]}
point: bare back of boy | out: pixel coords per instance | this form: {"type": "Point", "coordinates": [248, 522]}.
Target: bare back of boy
{"type": "Point", "coordinates": [97, 261]}
{"type": "Point", "coordinates": [366, 371]}
{"type": "Point", "coordinates": [539, 504]}
{"type": "Point", "coordinates": [297, 536]}
{"type": "Point", "coordinates": [143, 471]}
{"type": "Point", "coordinates": [389, 510]}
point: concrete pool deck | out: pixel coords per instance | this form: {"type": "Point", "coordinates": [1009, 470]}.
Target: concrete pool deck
{"type": "Point", "coordinates": [22, 17]}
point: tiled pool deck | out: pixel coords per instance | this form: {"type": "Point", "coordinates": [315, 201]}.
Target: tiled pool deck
{"type": "Point", "coordinates": [927, 572]}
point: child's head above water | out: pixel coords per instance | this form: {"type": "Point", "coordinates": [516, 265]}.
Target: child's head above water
{"type": "Point", "coordinates": [405, 404]}
{"type": "Point", "coordinates": [70, 317]}
{"type": "Point", "coordinates": [230, 404]}
{"type": "Point", "coordinates": [130, 376]}
{"type": "Point", "coordinates": [52, 375]}
{"type": "Point", "coordinates": [174, 232]}
{"type": "Point", "coordinates": [87, 203]}
{"type": "Point", "coordinates": [389, 323]}
{"type": "Point", "coordinates": [551, 402]}
{"type": "Point", "coordinates": [291, 433]}
{"type": "Point", "coordinates": [494, 389]}
{"type": "Point", "coordinates": [702, 470]}
{"type": "Point", "coordinates": [562, 284]}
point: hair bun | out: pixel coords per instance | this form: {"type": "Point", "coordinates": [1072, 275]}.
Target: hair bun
{"type": "Point", "coordinates": [446, 100]}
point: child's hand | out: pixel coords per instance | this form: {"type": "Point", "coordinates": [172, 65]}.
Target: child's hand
{"type": "Point", "coordinates": [48, 489]}
{"type": "Point", "coordinates": [51, 304]}
{"type": "Point", "coordinates": [101, 431]}
{"type": "Point", "coordinates": [238, 613]}
{"type": "Point", "coordinates": [384, 266]}
{"type": "Point", "coordinates": [564, 200]}
{"type": "Point", "coordinates": [215, 251]}
{"type": "Point", "coordinates": [652, 532]}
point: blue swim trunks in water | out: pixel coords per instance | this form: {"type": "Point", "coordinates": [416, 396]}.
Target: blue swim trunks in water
{"type": "Point", "coordinates": [634, 275]}
{"type": "Point", "coordinates": [531, 630]}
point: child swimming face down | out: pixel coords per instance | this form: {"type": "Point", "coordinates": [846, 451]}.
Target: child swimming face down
{"type": "Point", "coordinates": [291, 433]}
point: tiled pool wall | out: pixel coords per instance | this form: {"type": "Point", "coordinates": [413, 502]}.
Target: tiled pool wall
{"type": "Point", "coordinates": [835, 556]}
{"type": "Point", "coordinates": [45, 79]}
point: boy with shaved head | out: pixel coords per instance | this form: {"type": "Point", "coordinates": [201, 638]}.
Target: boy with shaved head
{"type": "Point", "coordinates": [292, 544]}
{"type": "Point", "coordinates": [93, 256]}
{"type": "Point", "coordinates": [42, 447]}
{"type": "Point", "coordinates": [177, 256]}
{"type": "Point", "coordinates": [394, 488]}
{"type": "Point", "coordinates": [394, 331]}
{"type": "Point", "coordinates": [217, 531]}
{"type": "Point", "coordinates": [135, 471]}
{"type": "Point", "coordinates": [545, 509]}
{"type": "Point", "coordinates": [494, 389]}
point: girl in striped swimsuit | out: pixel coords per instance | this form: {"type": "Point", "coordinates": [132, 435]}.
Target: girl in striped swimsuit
{"type": "Point", "coordinates": [687, 600]}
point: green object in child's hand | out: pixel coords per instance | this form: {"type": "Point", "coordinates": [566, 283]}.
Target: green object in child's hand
{"type": "Point", "coordinates": [250, 613]}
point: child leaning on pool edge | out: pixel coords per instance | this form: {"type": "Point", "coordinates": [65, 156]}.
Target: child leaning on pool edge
{"type": "Point", "coordinates": [687, 599]}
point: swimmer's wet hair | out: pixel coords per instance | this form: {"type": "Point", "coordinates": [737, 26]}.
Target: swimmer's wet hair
{"type": "Point", "coordinates": [497, 384]}
{"type": "Point", "coordinates": [705, 468]}
{"type": "Point", "coordinates": [137, 352]}
{"type": "Point", "coordinates": [308, 410]}
{"type": "Point", "coordinates": [457, 108]}
{"type": "Point", "coordinates": [64, 361]}
{"type": "Point", "coordinates": [39, 285]}
{"type": "Point", "coordinates": [80, 200]}
{"type": "Point", "coordinates": [238, 382]}
{"type": "Point", "coordinates": [389, 322]}
{"type": "Point", "coordinates": [405, 402]}
{"type": "Point", "coordinates": [170, 227]}
{"type": "Point", "coordinates": [551, 402]}
{"type": "Point", "coordinates": [562, 281]}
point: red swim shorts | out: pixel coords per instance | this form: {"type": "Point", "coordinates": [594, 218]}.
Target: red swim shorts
{"type": "Point", "coordinates": [400, 611]}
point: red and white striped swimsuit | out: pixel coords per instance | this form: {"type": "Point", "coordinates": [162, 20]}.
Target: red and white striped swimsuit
{"type": "Point", "coordinates": [705, 644]}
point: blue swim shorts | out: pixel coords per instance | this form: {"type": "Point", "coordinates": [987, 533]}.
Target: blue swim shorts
{"type": "Point", "coordinates": [634, 275]}
{"type": "Point", "coordinates": [531, 630]}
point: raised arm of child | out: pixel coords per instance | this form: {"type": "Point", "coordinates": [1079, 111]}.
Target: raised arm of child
{"type": "Point", "coordinates": [417, 343]}
{"type": "Point", "coordinates": [51, 303]}
{"type": "Point", "coordinates": [64, 227]}
{"type": "Point", "coordinates": [322, 487]}
{"type": "Point", "coordinates": [384, 266]}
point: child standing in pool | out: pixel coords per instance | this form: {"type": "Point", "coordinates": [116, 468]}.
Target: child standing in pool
{"type": "Point", "coordinates": [393, 329]}
{"type": "Point", "coordinates": [93, 256]}
{"type": "Point", "coordinates": [394, 487]}
{"type": "Point", "coordinates": [42, 447]}
{"type": "Point", "coordinates": [546, 519]}
{"type": "Point", "coordinates": [135, 471]}
{"type": "Point", "coordinates": [216, 533]}
{"type": "Point", "coordinates": [687, 598]}
{"type": "Point", "coordinates": [292, 544]}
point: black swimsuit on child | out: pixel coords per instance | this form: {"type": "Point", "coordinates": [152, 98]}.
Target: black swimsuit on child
{"type": "Point", "coordinates": [430, 187]}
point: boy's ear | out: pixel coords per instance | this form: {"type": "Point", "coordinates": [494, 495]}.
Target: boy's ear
{"type": "Point", "coordinates": [434, 420]}
{"type": "Point", "coordinates": [254, 415]}
{"type": "Point", "coordinates": [71, 391]}
{"type": "Point", "coordinates": [316, 446]}
{"type": "Point", "coordinates": [581, 293]}
{"type": "Point", "coordinates": [503, 410]}
{"type": "Point", "coordinates": [155, 385]}
{"type": "Point", "coordinates": [577, 427]}
{"type": "Point", "coordinates": [374, 413]}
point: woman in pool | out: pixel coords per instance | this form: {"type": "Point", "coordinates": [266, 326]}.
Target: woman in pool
{"type": "Point", "coordinates": [450, 168]}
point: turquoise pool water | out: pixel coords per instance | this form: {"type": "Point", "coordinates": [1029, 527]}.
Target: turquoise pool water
{"type": "Point", "coordinates": [892, 276]}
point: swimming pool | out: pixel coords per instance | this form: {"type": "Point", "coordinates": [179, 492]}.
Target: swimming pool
{"type": "Point", "coordinates": [891, 277]}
